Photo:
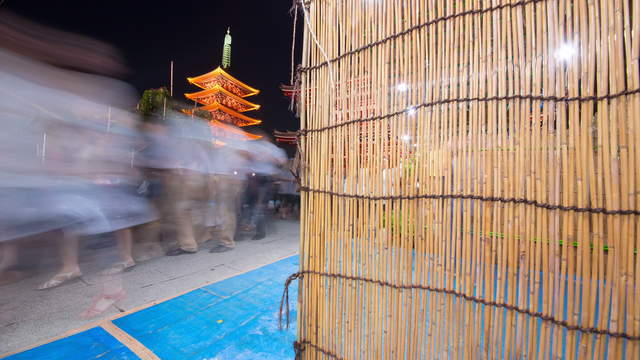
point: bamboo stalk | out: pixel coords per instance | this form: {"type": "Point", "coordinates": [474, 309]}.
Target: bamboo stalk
{"type": "Point", "coordinates": [577, 267]}
{"type": "Point", "coordinates": [633, 76]}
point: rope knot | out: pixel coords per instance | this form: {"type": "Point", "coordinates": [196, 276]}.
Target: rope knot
{"type": "Point", "coordinates": [296, 82]}
{"type": "Point", "coordinates": [298, 348]}
{"type": "Point", "coordinates": [284, 302]}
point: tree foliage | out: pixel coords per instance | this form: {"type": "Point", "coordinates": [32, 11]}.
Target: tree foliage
{"type": "Point", "coordinates": [202, 114]}
{"type": "Point", "coordinates": [153, 102]}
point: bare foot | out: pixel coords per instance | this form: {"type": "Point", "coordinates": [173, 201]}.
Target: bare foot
{"type": "Point", "coordinates": [102, 303]}
{"type": "Point", "coordinates": [118, 268]}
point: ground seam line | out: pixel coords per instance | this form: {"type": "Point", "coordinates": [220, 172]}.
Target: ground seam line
{"type": "Point", "coordinates": [129, 341]}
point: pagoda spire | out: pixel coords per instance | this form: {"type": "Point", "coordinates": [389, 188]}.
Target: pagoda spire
{"type": "Point", "coordinates": [226, 50]}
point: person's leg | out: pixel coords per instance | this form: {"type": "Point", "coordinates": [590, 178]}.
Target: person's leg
{"type": "Point", "coordinates": [296, 207]}
{"type": "Point", "coordinates": [281, 206]}
{"type": "Point", "coordinates": [124, 239]}
{"type": "Point", "coordinates": [286, 207]}
{"type": "Point", "coordinates": [261, 205]}
{"type": "Point", "coordinates": [147, 245]}
{"type": "Point", "coordinates": [229, 212]}
{"type": "Point", "coordinates": [8, 255]}
{"type": "Point", "coordinates": [290, 205]}
{"type": "Point", "coordinates": [70, 268]}
{"type": "Point", "coordinates": [8, 263]}
{"type": "Point", "coordinates": [185, 235]}
{"type": "Point", "coordinates": [206, 213]}
{"type": "Point", "coordinates": [112, 287]}
{"type": "Point", "coordinates": [166, 202]}
{"type": "Point", "coordinates": [227, 192]}
{"type": "Point", "coordinates": [69, 253]}
{"type": "Point", "coordinates": [180, 186]}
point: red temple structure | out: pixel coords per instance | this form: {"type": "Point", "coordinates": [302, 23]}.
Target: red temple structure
{"type": "Point", "coordinates": [223, 96]}
{"type": "Point", "coordinates": [286, 137]}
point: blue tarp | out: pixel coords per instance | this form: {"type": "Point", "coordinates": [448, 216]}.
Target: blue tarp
{"type": "Point", "coordinates": [233, 319]}
{"type": "Point", "coordinates": [236, 318]}
{"type": "Point", "coordinates": [94, 343]}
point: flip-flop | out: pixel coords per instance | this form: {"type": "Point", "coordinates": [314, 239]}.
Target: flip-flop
{"type": "Point", "coordinates": [118, 268]}
{"type": "Point", "coordinates": [102, 303]}
{"type": "Point", "coordinates": [60, 279]}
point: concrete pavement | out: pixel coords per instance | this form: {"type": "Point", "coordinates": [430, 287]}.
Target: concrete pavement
{"type": "Point", "coordinates": [29, 317]}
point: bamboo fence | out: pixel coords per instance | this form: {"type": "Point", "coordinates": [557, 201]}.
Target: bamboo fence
{"type": "Point", "coordinates": [470, 184]}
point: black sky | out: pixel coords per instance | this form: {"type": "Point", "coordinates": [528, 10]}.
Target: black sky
{"type": "Point", "coordinates": [150, 34]}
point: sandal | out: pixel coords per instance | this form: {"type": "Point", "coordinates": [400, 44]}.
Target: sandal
{"type": "Point", "coordinates": [118, 268]}
{"type": "Point", "coordinates": [103, 303]}
{"type": "Point", "coordinates": [60, 279]}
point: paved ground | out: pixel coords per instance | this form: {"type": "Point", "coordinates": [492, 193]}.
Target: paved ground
{"type": "Point", "coordinates": [28, 317]}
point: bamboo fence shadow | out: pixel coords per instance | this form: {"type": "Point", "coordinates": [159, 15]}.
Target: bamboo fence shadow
{"type": "Point", "coordinates": [470, 186]}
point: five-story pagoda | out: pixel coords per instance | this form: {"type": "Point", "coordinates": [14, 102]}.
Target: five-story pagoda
{"type": "Point", "coordinates": [223, 96]}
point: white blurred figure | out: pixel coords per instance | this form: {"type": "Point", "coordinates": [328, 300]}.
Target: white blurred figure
{"type": "Point", "coordinates": [266, 160]}
{"type": "Point", "coordinates": [288, 192]}
{"type": "Point", "coordinates": [185, 181]}
{"type": "Point", "coordinates": [68, 166]}
{"type": "Point", "coordinates": [230, 167]}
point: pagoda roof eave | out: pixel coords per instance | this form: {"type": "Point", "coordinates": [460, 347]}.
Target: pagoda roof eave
{"type": "Point", "coordinates": [233, 130]}
{"type": "Point", "coordinates": [218, 89]}
{"type": "Point", "coordinates": [219, 71]}
{"type": "Point", "coordinates": [219, 107]}
{"type": "Point", "coordinates": [215, 107]}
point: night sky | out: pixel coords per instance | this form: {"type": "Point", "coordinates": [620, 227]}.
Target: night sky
{"type": "Point", "coordinates": [149, 34]}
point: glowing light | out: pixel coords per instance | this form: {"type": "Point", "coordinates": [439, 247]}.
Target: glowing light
{"type": "Point", "coordinates": [253, 174]}
{"type": "Point", "coordinates": [235, 173]}
{"type": "Point", "coordinates": [411, 110]}
{"type": "Point", "coordinates": [406, 138]}
{"type": "Point", "coordinates": [565, 52]}
{"type": "Point", "coordinates": [214, 77]}
{"type": "Point", "coordinates": [402, 87]}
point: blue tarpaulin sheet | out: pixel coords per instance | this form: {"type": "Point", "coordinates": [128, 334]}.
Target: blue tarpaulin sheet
{"type": "Point", "coordinates": [94, 343]}
{"type": "Point", "coordinates": [236, 318]}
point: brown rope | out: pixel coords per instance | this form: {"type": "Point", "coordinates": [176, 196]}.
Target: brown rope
{"type": "Point", "coordinates": [477, 197]}
{"type": "Point", "coordinates": [542, 98]}
{"type": "Point", "coordinates": [293, 12]}
{"type": "Point", "coordinates": [285, 299]}
{"type": "Point", "coordinates": [539, 315]}
{"type": "Point", "coordinates": [299, 346]}
{"type": "Point", "coordinates": [420, 26]}
{"type": "Point", "coordinates": [295, 95]}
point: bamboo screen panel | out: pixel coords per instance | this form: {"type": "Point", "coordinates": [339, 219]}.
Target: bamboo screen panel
{"type": "Point", "coordinates": [470, 184]}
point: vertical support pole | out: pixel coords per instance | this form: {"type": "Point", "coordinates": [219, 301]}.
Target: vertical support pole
{"type": "Point", "coordinates": [44, 146]}
{"type": "Point", "coordinates": [164, 108]}
{"type": "Point", "coordinates": [109, 119]}
{"type": "Point", "coordinates": [171, 80]}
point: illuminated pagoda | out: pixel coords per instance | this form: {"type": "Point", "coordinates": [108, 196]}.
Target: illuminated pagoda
{"type": "Point", "coordinates": [223, 96]}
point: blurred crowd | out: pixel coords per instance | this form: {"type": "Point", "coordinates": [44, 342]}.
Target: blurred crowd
{"type": "Point", "coordinates": [77, 161]}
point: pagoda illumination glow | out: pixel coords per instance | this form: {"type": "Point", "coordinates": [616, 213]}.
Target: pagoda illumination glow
{"type": "Point", "coordinates": [223, 96]}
